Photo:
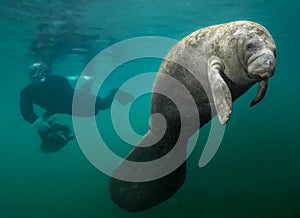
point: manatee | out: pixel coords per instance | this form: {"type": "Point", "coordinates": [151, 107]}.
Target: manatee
{"type": "Point", "coordinates": [216, 65]}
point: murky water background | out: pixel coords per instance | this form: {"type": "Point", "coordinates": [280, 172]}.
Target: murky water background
{"type": "Point", "coordinates": [255, 173]}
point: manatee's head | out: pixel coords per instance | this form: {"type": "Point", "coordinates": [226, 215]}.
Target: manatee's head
{"type": "Point", "coordinates": [259, 58]}
{"type": "Point", "coordinates": [257, 53]}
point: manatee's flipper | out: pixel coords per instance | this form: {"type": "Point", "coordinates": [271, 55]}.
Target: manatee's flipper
{"type": "Point", "coordinates": [220, 91]}
{"type": "Point", "coordinates": [262, 89]}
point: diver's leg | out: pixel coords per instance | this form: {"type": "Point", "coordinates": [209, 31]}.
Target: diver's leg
{"type": "Point", "coordinates": [122, 97]}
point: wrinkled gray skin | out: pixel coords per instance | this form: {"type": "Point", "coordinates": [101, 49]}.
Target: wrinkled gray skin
{"type": "Point", "coordinates": [220, 64]}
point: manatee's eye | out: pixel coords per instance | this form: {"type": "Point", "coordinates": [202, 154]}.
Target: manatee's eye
{"type": "Point", "coordinates": [253, 45]}
{"type": "Point", "coordinates": [250, 46]}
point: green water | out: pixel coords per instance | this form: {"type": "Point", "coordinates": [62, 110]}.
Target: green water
{"type": "Point", "coordinates": [255, 173]}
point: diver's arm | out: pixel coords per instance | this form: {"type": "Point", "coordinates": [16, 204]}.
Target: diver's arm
{"type": "Point", "coordinates": [26, 108]}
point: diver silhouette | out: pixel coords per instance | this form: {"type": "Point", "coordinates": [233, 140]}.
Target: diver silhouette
{"type": "Point", "coordinates": [54, 94]}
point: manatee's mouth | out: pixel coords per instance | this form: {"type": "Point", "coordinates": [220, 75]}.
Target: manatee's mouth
{"type": "Point", "coordinates": [253, 58]}
{"type": "Point", "coordinates": [261, 76]}
{"type": "Point", "coordinates": [256, 77]}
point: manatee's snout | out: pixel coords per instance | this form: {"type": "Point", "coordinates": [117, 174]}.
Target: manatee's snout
{"type": "Point", "coordinates": [262, 65]}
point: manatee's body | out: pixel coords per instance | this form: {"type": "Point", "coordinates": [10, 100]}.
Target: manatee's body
{"type": "Point", "coordinates": [216, 65]}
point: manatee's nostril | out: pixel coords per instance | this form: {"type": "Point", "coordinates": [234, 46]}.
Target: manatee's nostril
{"type": "Point", "coordinates": [272, 63]}
{"type": "Point", "coordinates": [269, 63]}
{"type": "Point", "coordinates": [269, 60]}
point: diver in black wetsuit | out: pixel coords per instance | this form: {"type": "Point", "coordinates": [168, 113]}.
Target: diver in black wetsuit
{"type": "Point", "coordinates": [55, 95]}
